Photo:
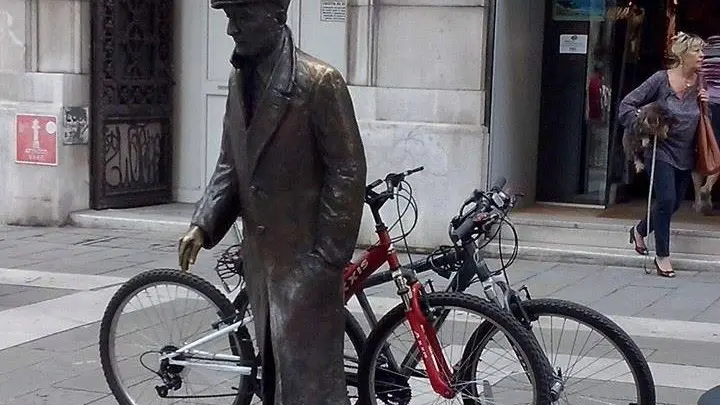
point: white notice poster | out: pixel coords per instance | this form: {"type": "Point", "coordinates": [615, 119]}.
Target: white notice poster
{"type": "Point", "coordinates": [573, 43]}
{"type": "Point", "coordinates": [333, 10]}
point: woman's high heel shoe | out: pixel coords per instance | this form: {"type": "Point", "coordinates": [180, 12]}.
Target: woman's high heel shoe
{"type": "Point", "coordinates": [663, 273]}
{"type": "Point", "coordinates": [640, 250]}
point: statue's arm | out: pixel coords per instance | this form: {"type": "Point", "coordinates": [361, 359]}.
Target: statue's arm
{"type": "Point", "coordinates": [219, 206]}
{"type": "Point", "coordinates": [341, 150]}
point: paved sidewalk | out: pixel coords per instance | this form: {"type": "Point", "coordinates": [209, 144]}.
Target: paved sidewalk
{"type": "Point", "coordinates": [56, 282]}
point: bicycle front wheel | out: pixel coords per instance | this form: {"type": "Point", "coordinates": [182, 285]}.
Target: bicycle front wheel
{"type": "Point", "coordinates": [158, 312]}
{"type": "Point", "coordinates": [597, 362]}
{"type": "Point", "coordinates": [515, 371]}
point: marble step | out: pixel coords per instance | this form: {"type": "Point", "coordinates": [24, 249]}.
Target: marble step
{"type": "Point", "coordinates": [606, 256]}
{"type": "Point", "coordinates": [691, 239]}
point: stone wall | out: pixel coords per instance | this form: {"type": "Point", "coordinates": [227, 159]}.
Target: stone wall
{"type": "Point", "coordinates": [417, 75]}
{"type": "Point", "coordinates": [44, 66]}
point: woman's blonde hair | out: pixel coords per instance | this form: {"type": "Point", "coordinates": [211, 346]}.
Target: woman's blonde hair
{"type": "Point", "coordinates": [684, 43]}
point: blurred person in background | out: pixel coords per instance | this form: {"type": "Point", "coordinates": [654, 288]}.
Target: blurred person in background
{"type": "Point", "coordinates": [711, 73]}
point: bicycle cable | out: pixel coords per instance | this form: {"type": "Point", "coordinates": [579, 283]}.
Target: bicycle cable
{"type": "Point", "coordinates": [411, 203]}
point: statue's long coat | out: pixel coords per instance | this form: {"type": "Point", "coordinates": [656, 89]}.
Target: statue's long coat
{"type": "Point", "coordinates": [296, 177]}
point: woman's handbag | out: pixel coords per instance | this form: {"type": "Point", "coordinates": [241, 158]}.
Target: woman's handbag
{"type": "Point", "coordinates": [707, 153]}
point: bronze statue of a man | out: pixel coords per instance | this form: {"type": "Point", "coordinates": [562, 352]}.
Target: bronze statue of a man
{"type": "Point", "coordinates": [292, 166]}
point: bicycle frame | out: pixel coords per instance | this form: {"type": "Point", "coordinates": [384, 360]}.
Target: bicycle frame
{"type": "Point", "coordinates": [375, 256]}
{"type": "Point", "coordinates": [197, 354]}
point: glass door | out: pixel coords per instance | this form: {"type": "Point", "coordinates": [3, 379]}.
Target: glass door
{"type": "Point", "coordinates": [576, 102]}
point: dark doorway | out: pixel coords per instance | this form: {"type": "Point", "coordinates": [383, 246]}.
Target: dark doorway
{"type": "Point", "coordinates": [131, 103]}
{"type": "Point", "coordinates": [580, 89]}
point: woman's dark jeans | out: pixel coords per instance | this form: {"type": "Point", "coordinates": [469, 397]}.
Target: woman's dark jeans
{"type": "Point", "coordinates": [669, 187]}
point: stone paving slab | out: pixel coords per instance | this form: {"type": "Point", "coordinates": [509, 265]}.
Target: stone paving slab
{"type": "Point", "coordinates": [21, 296]}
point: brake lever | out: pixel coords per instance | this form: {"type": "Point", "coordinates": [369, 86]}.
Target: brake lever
{"type": "Point", "coordinates": [374, 184]}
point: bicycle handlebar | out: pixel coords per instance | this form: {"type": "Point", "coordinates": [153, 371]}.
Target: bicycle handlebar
{"type": "Point", "coordinates": [489, 207]}
{"type": "Point", "coordinates": [376, 200]}
{"type": "Point", "coordinates": [394, 179]}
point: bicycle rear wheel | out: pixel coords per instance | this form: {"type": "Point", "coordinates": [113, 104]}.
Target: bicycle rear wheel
{"type": "Point", "coordinates": [152, 301]}
{"type": "Point", "coordinates": [615, 371]}
{"type": "Point", "coordinates": [386, 376]}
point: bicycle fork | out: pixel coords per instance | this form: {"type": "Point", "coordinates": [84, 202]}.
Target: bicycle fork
{"type": "Point", "coordinates": [425, 337]}
{"type": "Point", "coordinates": [510, 300]}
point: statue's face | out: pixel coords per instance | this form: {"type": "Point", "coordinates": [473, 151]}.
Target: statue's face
{"type": "Point", "coordinates": [255, 27]}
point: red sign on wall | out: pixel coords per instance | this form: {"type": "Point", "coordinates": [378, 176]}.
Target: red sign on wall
{"type": "Point", "coordinates": [36, 139]}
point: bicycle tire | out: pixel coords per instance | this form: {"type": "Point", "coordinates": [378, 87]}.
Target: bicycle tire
{"type": "Point", "coordinates": [357, 338]}
{"type": "Point", "coordinates": [240, 345]}
{"type": "Point", "coordinates": [601, 324]}
{"type": "Point", "coordinates": [541, 372]}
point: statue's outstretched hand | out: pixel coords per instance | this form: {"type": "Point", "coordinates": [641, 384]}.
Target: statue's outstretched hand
{"type": "Point", "coordinates": [189, 247]}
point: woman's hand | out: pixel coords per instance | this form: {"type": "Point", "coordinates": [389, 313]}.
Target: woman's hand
{"type": "Point", "coordinates": [704, 96]}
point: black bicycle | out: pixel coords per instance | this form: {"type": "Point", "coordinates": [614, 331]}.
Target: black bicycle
{"type": "Point", "coordinates": [615, 362]}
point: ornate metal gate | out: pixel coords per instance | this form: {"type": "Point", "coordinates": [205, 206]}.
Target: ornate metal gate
{"type": "Point", "coordinates": [132, 87]}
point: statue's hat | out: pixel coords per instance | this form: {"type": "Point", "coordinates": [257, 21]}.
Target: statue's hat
{"type": "Point", "coordinates": [225, 3]}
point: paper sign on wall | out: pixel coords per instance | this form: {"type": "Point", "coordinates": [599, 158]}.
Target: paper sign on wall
{"type": "Point", "coordinates": [36, 139]}
{"type": "Point", "coordinates": [573, 43]}
{"type": "Point", "coordinates": [333, 10]}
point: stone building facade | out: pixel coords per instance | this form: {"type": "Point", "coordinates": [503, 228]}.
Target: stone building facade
{"type": "Point", "coordinates": [420, 73]}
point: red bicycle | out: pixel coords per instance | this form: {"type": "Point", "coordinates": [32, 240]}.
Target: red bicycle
{"type": "Point", "coordinates": [378, 375]}
{"type": "Point", "coordinates": [425, 312]}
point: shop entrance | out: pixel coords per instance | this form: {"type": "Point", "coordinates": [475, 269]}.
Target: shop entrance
{"type": "Point", "coordinates": [595, 52]}
{"type": "Point", "coordinates": [695, 16]}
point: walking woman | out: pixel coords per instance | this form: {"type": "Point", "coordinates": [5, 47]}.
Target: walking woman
{"type": "Point", "coordinates": [678, 88]}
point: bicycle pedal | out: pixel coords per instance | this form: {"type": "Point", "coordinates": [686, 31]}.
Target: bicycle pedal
{"type": "Point", "coordinates": [429, 284]}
